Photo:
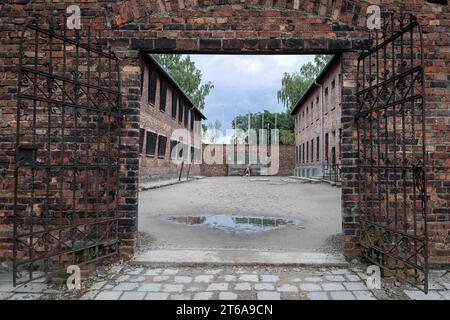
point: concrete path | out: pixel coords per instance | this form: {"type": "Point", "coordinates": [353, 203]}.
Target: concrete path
{"type": "Point", "coordinates": [143, 186]}
{"type": "Point", "coordinates": [189, 257]}
{"type": "Point", "coordinates": [318, 206]}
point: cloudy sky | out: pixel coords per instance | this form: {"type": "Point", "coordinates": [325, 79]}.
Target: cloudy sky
{"type": "Point", "coordinates": [244, 83]}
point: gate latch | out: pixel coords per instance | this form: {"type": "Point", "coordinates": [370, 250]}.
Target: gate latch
{"type": "Point", "coordinates": [26, 155]}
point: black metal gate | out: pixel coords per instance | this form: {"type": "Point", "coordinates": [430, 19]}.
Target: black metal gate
{"type": "Point", "coordinates": [67, 152]}
{"type": "Point", "coordinates": [391, 151]}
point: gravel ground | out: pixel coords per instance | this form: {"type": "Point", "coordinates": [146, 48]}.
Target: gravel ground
{"type": "Point", "coordinates": [318, 205]}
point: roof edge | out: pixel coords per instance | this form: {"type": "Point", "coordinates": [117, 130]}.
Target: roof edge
{"type": "Point", "coordinates": [331, 63]}
{"type": "Point", "coordinates": [160, 68]}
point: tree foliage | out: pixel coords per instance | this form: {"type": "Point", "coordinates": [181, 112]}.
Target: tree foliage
{"type": "Point", "coordinates": [294, 85]}
{"type": "Point", "coordinates": [212, 133]}
{"type": "Point", "coordinates": [267, 120]}
{"type": "Point", "coordinates": [183, 70]}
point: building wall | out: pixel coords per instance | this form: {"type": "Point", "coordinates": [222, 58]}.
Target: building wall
{"type": "Point", "coordinates": [308, 125]}
{"type": "Point", "coordinates": [153, 167]}
{"type": "Point", "coordinates": [286, 162]}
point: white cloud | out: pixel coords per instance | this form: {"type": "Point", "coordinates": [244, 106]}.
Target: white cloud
{"type": "Point", "coordinates": [244, 83]}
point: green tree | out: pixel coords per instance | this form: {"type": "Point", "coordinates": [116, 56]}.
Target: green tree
{"type": "Point", "coordinates": [294, 85]}
{"type": "Point", "coordinates": [212, 132]}
{"type": "Point", "coordinates": [187, 75]}
{"type": "Point", "coordinates": [267, 120]}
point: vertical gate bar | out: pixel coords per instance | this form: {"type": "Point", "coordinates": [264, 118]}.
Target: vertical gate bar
{"type": "Point", "coordinates": [63, 124]}
{"type": "Point", "coordinates": [358, 136]}
{"type": "Point", "coordinates": [98, 157]}
{"type": "Point", "coordinates": [75, 152]}
{"type": "Point", "coordinates": [33, 169]}
{"type": "Point", "coordinates": [364, 126]}
{"type": "Point", "coordinates": [425, 163]}
{"type": "Point", "coordinates": [402, 92]}
{"type": "Point", "coordinates": [48, 159]}
{"type": "Point", "coordinates": [109, 172]}
{"type": "Point", "coordinates": [386, 123]}
{"type": "Point", "coordinates": [413, 178]}
{"type": "Point", "coordinates": [394, 131]}
{"type": "Point", "coordinates": [377, 57]}
{"type": "Point", "coordinates": [370, 120]}
{"type": "Point", "coordinates": [88, 131]}
{"type": "Point", "coordinates": [16, 166]}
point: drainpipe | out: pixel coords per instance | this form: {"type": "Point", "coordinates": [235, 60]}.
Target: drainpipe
{"type": "Point", "coordinates": [322, 135]}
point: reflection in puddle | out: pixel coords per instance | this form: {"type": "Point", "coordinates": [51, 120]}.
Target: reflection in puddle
{"type": "Point", "coordinates": [238, 224]}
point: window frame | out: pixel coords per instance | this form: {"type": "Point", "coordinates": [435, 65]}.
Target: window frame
{"type": "Point", "coordinates": [174, 104]}
{"type": "Point", "coordinates": [148, 145]}
{"type": "Point", "coordinates": [152, 80]}
{"type": "Point", "coordinates": [164, 138]}
{"type": "Point", "coordinates": [142, 137]}
{"type": "Point", "coordinates": [162, 95]}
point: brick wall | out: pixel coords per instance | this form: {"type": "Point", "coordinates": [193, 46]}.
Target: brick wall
{"type": "Point", "coordinates": [236, 26]}
{"type": "Point", "coordinates": [223, 157]}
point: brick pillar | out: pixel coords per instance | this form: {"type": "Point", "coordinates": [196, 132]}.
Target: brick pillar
{"type": "Point", "coordinates": [350, 223]}
{"type": "Point", "coordinates": [129, 170]}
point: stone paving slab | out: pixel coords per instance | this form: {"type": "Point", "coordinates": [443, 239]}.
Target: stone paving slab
{"type": "Point", "coordinates": [228, 283]}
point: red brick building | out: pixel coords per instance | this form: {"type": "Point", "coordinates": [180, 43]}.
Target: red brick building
{"type": "Point", "coordinates": [170, 126]}
{"type": "Point", "coordinates": [318, 129]}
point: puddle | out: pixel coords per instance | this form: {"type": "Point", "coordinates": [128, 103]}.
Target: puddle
{"type": "Point", "coordinates": [238, 224]}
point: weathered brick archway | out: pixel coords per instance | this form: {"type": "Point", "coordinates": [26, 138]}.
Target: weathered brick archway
{"type": "Point", "coordinates": [238, 26]}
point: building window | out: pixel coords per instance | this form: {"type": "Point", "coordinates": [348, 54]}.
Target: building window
{"type": "Point", "coordinates": [318, 108]}
{"type": "Point", "coordinates": [307, 117]}
{"type": "Point", "coordinates": [173, 149]}
{"type": "Point", "coordinates": [340, 144]}
{"type": "Point", "coordinates": [312, 150]}
{"type": "Point", "coordinates": [162, 141]}
{"type": "Point", "coordinates": [192, 153]}
{"type": "Point", "coordinates": [151, 143]}
{"type": "Point", "coordinates": [174, 104]}
{"type": "Point", "coordinates": [180, 111]}
{"type": "Point", "coordinates": [303, 153]}
{"type": "Point", "coordinates": [186, 115]}
{"type": "Point", "coordinates": [162, 95]}
{"type": "Point", "coordinates": [312, 112]}
{"type": "Point", "coordinates": [192, 121]}
{"type": "Point", "coordinates": [141, 139]}
{"type": "Point", "coordinates": [307, 151]}
{"type": "Point", "coordinates": [152, 86]}
{"type": "Point", "coordinates": [300, 153]}
{"type": "Point", "coordinates": [333, 95]}
{"type": "Point", "coordinates": [325, 105]}
{"type": "Point", "coordinates": [326, 147]}
{"type": "Point", "coordinates": [318, 149]}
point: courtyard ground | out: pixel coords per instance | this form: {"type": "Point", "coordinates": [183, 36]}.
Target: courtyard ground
{"type": "Point", "coordinates": [318, 206]}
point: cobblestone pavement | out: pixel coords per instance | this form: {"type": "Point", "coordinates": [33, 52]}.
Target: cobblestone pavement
{"type": "Point", "coordinates": [125, 282]}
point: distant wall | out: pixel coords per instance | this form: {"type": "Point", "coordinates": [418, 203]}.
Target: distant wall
{"type": "Point", "coordinates": [221, 168]}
